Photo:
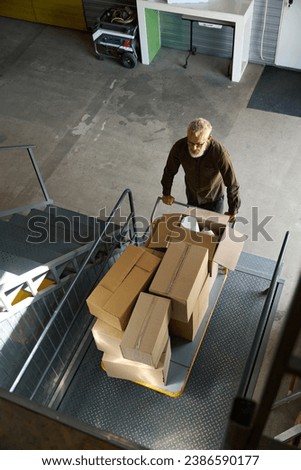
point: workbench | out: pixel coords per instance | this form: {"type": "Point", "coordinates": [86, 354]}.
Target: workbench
{"type": "Point", "coordinates": [235, 13]}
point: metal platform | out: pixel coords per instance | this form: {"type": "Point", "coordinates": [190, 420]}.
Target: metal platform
{"type": "Point", "coordinates": [226, 363]}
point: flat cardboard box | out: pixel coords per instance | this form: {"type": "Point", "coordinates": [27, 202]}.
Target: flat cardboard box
{"type": "Point", "coordinates": [146, 334]}
{"type": "Point", "coordinates": [180, 277]}
{"type": "Point", "coordinates": [106, 337]}
{"type": "Point", "coordinates": [118, 367]}
{"type": "Point", "coordinates": [188, 330]}
{"type": "Point", "coordinates": [203, 214]}
{"type": "Point", "coordinates": [114, 297]}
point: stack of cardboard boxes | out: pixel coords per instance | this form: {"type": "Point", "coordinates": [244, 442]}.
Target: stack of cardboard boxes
{"type": "Point", "coordinates": [159, 290]}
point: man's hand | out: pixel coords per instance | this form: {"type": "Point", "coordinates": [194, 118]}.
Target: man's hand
{"type": "Point", "coordinates": [169, 200]}
{"type": "Point", "coordinates": [232, 217]}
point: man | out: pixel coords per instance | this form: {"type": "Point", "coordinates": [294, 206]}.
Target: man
{"type": "Point", "coordinates": [208, 170]}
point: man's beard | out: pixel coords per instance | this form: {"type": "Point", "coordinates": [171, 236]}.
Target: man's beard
{"type": "Point", "coordinates": [197, 154]}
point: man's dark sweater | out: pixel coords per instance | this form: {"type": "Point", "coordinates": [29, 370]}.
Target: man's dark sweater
{"type": "Point", "coordinates": [205, 176]}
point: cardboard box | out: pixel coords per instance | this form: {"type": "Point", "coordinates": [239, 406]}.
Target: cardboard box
{"type": "Point", "coordinates": [224, 244]}
{"type": "Point", "coordinates": [230, 241]}
{"type": "Point", "coordinates": [169, 226]}
{"type": "Point", "coordinates": [188, 330]}
{"type": "Point", "coordinates": [180, 277]}
{"type": "Point", "coordinates": [153, 251]}
{"type": "Point", "coordinates": [146, 334]}
{"type": "Point", "coordinates": [212, 277]}
{"type": "Point", "coordinates": [162, 229]}
{"type": "Point", "coordinates": [106, 337]}
{"type": "Point", "coordinates": [114, 297]}
{"type": "Point", "coordinates": [116, 366]}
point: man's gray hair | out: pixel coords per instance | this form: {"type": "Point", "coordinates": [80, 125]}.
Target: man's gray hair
{"type": "Point", "coordinates": [200, 125]}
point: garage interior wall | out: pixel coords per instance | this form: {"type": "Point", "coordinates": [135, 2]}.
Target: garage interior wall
{"type": "Point", "coordinates": [265, 27]}
{"type": "Point", "coordinates": [82, 14]}
{"type": "Point", "coordinates": [65, 13]}
{"type": "Point", "coordinates": [218, 42]}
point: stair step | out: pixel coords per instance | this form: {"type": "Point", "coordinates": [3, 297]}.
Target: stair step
{"type": "Point", "coordinates": [83, 227]}
{"type": "Point", "coordinates": [17, 265]}
{"type": "Point", "coordinates": [14, 239]}
{"type": "Point", "coordinates": [54, 232]}
{"type": "Point", "coordinates": [13, 266]}
{"type": "Point", "coordinates": [41, 221]}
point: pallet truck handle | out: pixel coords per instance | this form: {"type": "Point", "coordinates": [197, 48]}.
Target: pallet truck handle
{"type": "Point", "coordinates": [159, 198]}
{"type": "Point", "coordinates": [179, 203]}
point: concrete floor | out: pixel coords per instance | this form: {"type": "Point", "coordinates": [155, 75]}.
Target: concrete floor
{"type": "Point", "coordinates": [100, 128]}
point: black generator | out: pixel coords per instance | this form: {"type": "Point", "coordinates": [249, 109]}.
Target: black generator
{"type": "Point", "coordinates": [116, 35]}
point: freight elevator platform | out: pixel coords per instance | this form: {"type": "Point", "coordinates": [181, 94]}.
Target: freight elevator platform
{"type": "Point", "coordinates": [226, 365]}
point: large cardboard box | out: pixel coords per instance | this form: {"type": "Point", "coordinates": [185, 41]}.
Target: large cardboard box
{"type": "Point", "coordinates": [146, 334]}
{"type": "Point", "coordinates": [106, 337]}
{"type": "Point", "coordinates": [188, 330]}
{"type": "Point", "coordinates": [116, 366]}
{"type": "Point", "coordinates": [180, 277]}
{"type": "Point", "coordinates": [225, 246]}
{"type": "Point", "coordinates": [114, 297]}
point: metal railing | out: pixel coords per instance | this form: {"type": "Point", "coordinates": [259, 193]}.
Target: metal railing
{"type": "Point", "coordinates": [263, 322]}
{"type": "Point", "coordinates": [129, 226]}
{"type": "Point", "coordinates": [47, 200]}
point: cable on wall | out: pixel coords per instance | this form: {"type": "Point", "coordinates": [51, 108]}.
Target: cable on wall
{"type": "Point", "coordinates": [263, 28]}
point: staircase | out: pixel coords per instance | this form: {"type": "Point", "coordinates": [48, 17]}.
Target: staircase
{"type": "Point", "coordinates": [50, 260]}
{"type": "Point", "coordinates": [43, 249]}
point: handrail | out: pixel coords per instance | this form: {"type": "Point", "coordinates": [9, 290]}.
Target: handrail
{"type": "Point", "coordinates": [245, 381]}
{"type": "Point", "coordinates": [126, 192]}
{"type": "Point", "coordinates": [47, 199]}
